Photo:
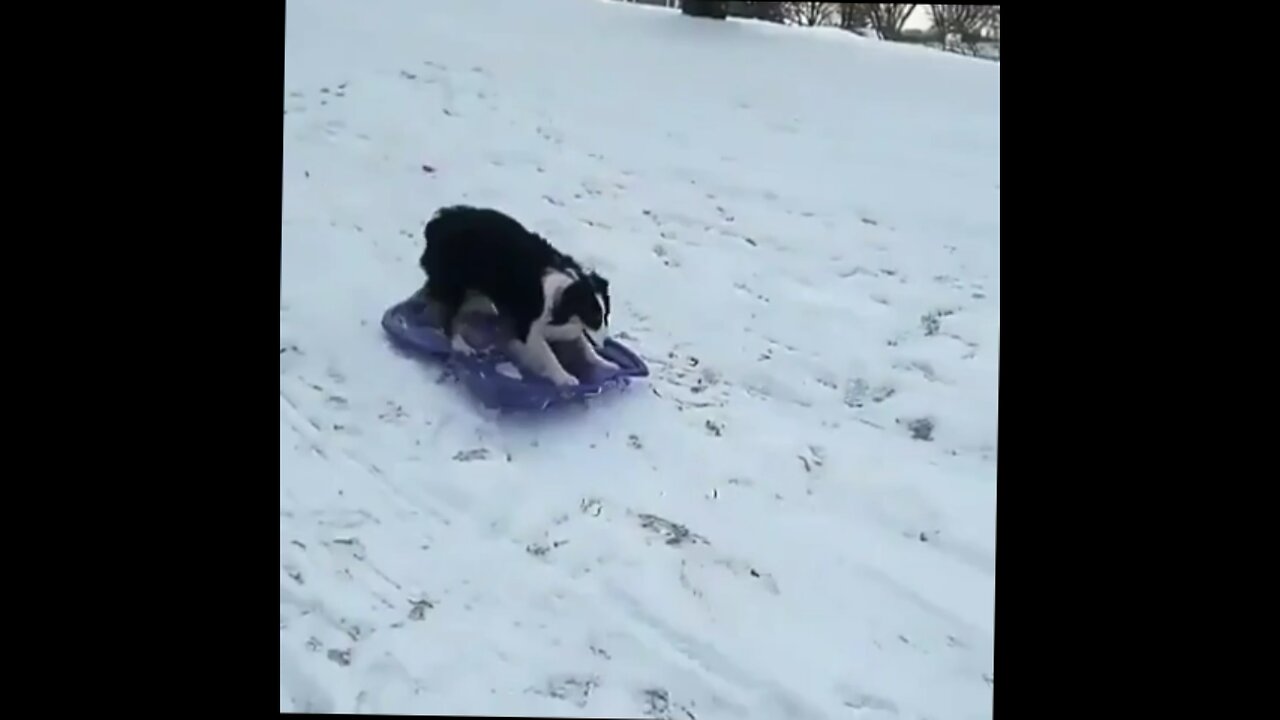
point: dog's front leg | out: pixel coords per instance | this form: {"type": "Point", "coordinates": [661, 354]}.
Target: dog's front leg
{"type": "Point", "coordinates": [460, 344]}
{"type": "Point", "coordinates": [589, 352]}
{"type": "Point", "coordinates": [539, 357]}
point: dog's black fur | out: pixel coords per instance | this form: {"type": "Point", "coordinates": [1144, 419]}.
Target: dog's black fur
{"type": "Point", "coordinates": [488, 252]}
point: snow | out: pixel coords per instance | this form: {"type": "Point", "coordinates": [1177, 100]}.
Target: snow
{"type": "Point", "coordinates": [794, 517]}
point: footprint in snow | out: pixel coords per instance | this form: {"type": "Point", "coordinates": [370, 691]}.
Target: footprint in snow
{"type": "Point", "coordinates": [418, 612]}
{"type": "Point", "coordinates": [920, 428]}
{"type": "Point", "coordinates": [540, 550]}
{"type": "Point", "coordinates": [931, 322]}
{"type": "Point", "coordinates": [575, 689]}
{"type": "Point", "coordinates": [675, 533]}
{"type": "Point", "coordinates": [657, 704]}
{"type": "Point", "coordinates": [867, 703]}
{"type": "Point", "coordinates": [393, 414]}
{"type": "Point", "coordinates": [858, 392]}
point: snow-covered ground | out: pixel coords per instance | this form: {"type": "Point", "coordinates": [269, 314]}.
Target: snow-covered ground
{"type": "Point", "coordinates": [794, 517]}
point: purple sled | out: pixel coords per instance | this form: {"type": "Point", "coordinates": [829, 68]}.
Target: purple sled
{"type": "Point", "coordinates": [491, 374]}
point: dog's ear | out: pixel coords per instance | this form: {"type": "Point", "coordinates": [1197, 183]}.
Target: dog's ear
{"type": "Point", "coordinates": [598, 280]}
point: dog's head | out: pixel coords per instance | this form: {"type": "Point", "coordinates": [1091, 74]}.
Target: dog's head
{"type": "Point", "coordinates": [585, 301]}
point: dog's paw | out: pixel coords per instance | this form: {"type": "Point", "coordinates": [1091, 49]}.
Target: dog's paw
{"type": "Point", "coordinates": [565, 380]}
{"type": "Point", "coordinates": [461, 347]}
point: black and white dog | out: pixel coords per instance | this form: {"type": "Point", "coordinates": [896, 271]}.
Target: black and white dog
{"type": "Point", "coordinates": [545, 293]}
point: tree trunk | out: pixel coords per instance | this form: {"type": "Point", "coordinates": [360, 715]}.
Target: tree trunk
{"type": "Point", "coordinates": [888, 18]}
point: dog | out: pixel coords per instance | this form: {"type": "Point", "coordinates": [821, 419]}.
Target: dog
{"type": "Point", "coordinates": [480, 253]}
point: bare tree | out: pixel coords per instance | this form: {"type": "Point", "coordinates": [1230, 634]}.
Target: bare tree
{"type": "Point", "coordinates": [966, 21]}
{"type": "Point", "coordinates": [810, 14]}
{"type": "Point", "coordinates": [962, 26]}
{"type": "Point", "coordinates": [888, 18]}
{"type": "Point", "coordinates": [854, 16]}
{"type": "Point", "coordinates": [717, 9]}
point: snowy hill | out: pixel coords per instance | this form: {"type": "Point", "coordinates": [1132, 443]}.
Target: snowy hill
{"type": "Point", "coordinates": [794, 517]}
